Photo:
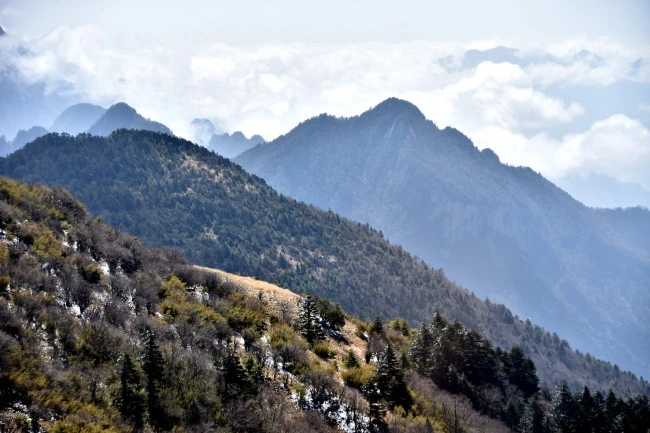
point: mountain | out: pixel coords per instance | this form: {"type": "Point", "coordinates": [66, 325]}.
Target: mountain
{"type": "Point", "coordinates": [122, 115]}
{"type": "Point", "coordinates": [5, 146]}
{"type": "Point", "coordinates": [2, 32]}
{"type": "Point", "coordinates": [98, 333]}
{"type": "Point", "coordinates": [23, 137]}
{"type": "Point", "coordinates": [77, 118]}
{"type": "Point", "coordinates": [505, 232]}
{"type": "Point", "coordinates": [205, 133]}
{"type": "Point", "coordinates": [170, 192]}
{"type": "Point", "coordinates": [203, 130]}
{"type": "Point", "coordinates": [231, 145]}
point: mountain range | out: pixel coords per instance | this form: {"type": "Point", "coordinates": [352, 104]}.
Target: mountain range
{"type": "Point", "coordinates": [170, 192]}
{"type": "Point", "coordinates": [504, 232]}
{"type": "Point", "coordinates": [205, 133]}
{"type": "Point", "coordinates": [86, 118]}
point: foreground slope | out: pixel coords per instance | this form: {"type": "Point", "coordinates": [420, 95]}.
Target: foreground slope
{"type": "Point", "coordinates": [505, 232]}
{"type": "Point", "coordinates": [98, 333]}
{"type": "Point", "coordinates": [170, 192]}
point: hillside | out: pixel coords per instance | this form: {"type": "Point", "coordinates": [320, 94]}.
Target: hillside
{"type": "Point", "coordinates": [99, 333]}
{"type": "Point", "coordinates": [505, 232]}
{"type": "Point", "coordinates": [170, 192]}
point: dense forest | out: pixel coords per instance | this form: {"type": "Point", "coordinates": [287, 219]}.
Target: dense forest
{"type": "Point", "coordinates": [172, 193]}
{"type": "Point", "coordinates": [98, 333]}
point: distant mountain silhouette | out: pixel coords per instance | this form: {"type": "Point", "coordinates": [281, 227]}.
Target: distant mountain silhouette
{"type": "Point", "coordinates": [2, 32]}
{"type": "Point", "coordinates": [121, 115]}
{"type": "Point", "coordinates": [231, 145]}
{"type": "Point", "coordinates": [22, 137]}
{"type": "Point", "coordinates": [5, 146]}
{"type": "Point", "coordinates": [206, 134]}
{"type": "Point", "coordinates": [77, 118]}
{"type": "Point", "coordinates": [505, 232]}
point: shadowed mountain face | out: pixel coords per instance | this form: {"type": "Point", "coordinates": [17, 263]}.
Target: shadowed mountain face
{"type": "Point", "coordinates": [77, 118]}
{"type": "Point", "coordinates": [122, 115]}
{"type": "Point", "coordinates": [504, 232]}
{"type": "Point", "coordinates": [170, 192]}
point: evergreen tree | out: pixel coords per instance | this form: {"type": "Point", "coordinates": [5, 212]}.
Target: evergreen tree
{"type": "Point", "coordinates": [235, 381]}
{"type": "Point", "coordinates": [586, 411]}
{"type": "Point", "coordinates": [390, 380]}
{"type": "Point", "coordinates": [128, 398]}
{"type": "Point", "coordinates": [376, 410]}
{"type": "Point", "coordinates": [563, 411]}
{"type": "Point", "coordinates": [521, 371]}
{"type": "Point", "coordinates": [532, 418]}
{"type": "Point", "coordinates": [153, 367]}
{"type": "Point", "coordinates": [377, 326]}
{"type": "Point", "coordinates": [310, 325]}
{"type": "Point", "coordinates": [421, 351]}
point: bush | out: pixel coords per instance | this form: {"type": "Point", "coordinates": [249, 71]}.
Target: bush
{"type": "Point", "coordinates": [323, 350]}
{"type": "Point", "coordinates": [356, 377]}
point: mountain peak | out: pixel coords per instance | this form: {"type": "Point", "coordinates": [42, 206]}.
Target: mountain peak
{"type": "Point", "coordinates": [122, 115]}
{"type": "Point", "coordinates": [121, 108]}
{"type": "Point", "coordinates": [77, 118]}
{"type": "Point", "coordinates": [395, 106]}
{"type": "Point", "coordinates": [2, 32]}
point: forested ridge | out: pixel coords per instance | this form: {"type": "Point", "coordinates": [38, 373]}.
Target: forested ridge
{"type": "Point", "coordinates": [170, 192]}
{"type": "Point", "coordinates": [98, 333]}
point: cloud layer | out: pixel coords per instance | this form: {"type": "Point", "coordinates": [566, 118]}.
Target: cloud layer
{"type": "Point", "coordinates": [509, 104]}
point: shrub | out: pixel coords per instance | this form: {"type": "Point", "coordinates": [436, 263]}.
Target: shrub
{"type": "Point", "coordinates": [323, 350]}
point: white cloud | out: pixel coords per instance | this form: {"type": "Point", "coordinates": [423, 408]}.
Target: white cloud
{"type": "Point", "coordinates": [270, 88]}
{"type": "Point", "coordinates": [617, 146]}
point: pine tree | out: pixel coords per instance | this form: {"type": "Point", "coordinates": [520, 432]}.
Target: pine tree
{"type": "Point", "coordinates": [586, 411]}
{"type": "Point", "coordinates": [235, 380]}
{"type": "Point", "coordinates": [310, 325]}
{"type": "Point", "coordinates": [153, 367]}
{"type": "Point", "coordinates": [377, 326]}
{"type": "Point", "coordinates": [128, 398]}
{"type": "Point", "coordinates": [390, 380]}
{"type": "Point", "coordinates": [421, 351]}
{"type": "Point", "coordinates": [376, 410]}
{"type": "Point", "coordinates": [563, 411]}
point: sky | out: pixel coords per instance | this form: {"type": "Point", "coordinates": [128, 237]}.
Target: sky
{"type": "Point", "coordinates": [560, 86]}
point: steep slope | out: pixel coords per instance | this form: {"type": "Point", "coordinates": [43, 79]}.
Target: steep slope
{"type": "Point", "coordinates": [505, 232]}
{"type": "Point", "coordinates": [77, 118]}
{"type": "Point", "coordinates": [170, 192]}
{"type": "Point", "coordinates": [98, 333]}
{"type": "Point", "coordinates": [122, 115]}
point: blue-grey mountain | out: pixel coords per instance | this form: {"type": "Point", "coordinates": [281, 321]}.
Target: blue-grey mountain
{"type": "Point", "coordinates": [77, 118]}
{"type": "Point", "coordinates": [121, 116]}
{"type": "Point", "coordinates": [505, 232]}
